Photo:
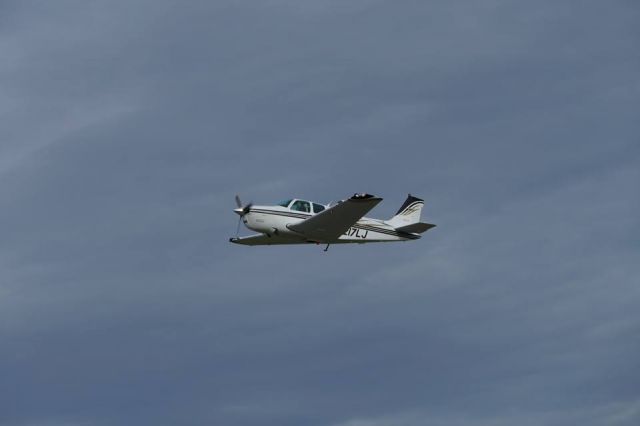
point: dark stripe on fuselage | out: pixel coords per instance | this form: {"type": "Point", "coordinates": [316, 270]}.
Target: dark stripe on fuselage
{"type": "Point", "coordinates": [386, 231]}
{"type": "Point", "coordinates": [279, 213]}
{"type": "Point", "coordinates": [355, 225]}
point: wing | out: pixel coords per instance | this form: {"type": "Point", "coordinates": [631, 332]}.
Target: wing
{"type": "Point", "coordinates": [265, 240]}
{"type": "Point", "coordinates": [334, 221]}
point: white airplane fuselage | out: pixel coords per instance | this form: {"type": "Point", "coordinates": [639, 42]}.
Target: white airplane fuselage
{"type": "Point", "coordinates": [273, 221]}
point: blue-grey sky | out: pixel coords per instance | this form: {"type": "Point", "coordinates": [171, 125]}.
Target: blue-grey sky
{"type": "Point", "coordinates": [128, 126]}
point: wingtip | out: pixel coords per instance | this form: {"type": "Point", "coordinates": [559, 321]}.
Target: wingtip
{"type": "Point", "coordinates": [364, 196]}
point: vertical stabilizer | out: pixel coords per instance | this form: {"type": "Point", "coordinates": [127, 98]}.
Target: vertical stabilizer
{"type": "Point", "coordinates": [408, 214]}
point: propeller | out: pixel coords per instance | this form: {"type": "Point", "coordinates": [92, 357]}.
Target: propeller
{"type": "Point", "coordinates": [241, 211]}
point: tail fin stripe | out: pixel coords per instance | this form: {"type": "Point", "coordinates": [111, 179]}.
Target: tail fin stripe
{"type": "Point", "coordinates": [408, 202]}
{"type": "Point", "coordinates": [408, 214]}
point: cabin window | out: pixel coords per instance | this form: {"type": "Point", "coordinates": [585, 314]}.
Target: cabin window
{"type": "Point", "coordinates": [284, 203]}
{"type": "Point", "coordinates": [317, 208]}
{"type": "Point", "coordinates": [301, 206]}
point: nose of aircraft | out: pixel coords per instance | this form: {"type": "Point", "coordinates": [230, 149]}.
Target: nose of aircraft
{"type": "Point", "coordinates": [242, 210]}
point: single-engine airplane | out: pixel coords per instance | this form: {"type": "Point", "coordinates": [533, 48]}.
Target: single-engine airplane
{"type": "Point", "coordinates": [298, 221]}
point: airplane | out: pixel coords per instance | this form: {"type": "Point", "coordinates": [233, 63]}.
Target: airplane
{"type": "Point", "coordinates": [297, 221]}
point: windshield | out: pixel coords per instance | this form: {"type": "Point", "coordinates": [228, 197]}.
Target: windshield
{"type": "Point", "coordinates": [284, 203]}
{"type": "Point", "coordinates": [301, 206]}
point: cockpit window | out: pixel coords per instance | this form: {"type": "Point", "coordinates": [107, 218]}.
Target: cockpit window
{"type": "Point", "coordinates": [301, 206]}
{"type": "Point", "coordinates": [284, 203]}
{"type": "Point", "coordinates": [317, 208]}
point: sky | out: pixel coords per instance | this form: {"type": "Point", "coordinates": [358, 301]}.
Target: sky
{"type": "Point", "coordinates": [129, 126]}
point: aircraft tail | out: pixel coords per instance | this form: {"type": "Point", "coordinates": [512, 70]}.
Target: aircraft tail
{"type": "Point", "coordinates": [407, 219]}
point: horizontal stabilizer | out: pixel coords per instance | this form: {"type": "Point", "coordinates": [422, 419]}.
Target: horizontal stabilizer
{"type": "Point", "coordinates": [416, 228]}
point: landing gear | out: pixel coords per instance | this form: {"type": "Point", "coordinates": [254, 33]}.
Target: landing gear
{"type": "Point", "coordinates": [327, 247]}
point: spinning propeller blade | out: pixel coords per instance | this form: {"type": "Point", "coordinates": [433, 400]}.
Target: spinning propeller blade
{"type": "Point", "coordinates": [242, 210]}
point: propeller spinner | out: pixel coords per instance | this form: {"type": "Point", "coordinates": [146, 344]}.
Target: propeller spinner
{"type": "Point", "coordinates": [242, 210]}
